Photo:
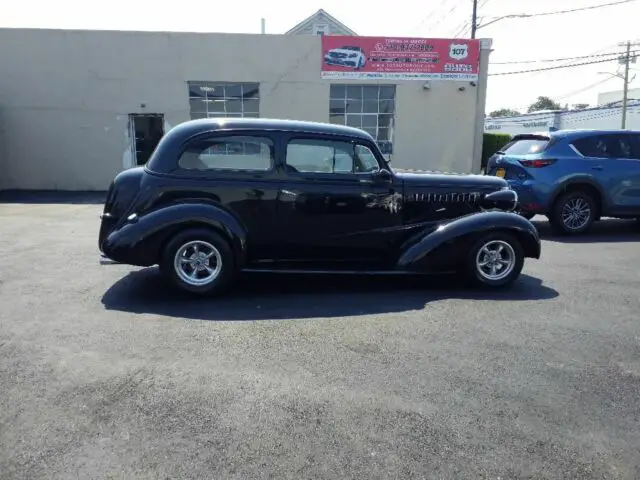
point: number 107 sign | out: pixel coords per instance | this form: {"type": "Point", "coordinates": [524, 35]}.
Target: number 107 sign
{"type": "Point", "coordinates": [400, 58]}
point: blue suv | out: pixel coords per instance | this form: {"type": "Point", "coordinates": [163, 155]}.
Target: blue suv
{"type": "Point", "coordinates": [574, 177]}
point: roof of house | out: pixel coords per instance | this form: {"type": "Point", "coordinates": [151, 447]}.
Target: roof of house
{"type": "Point", "coordinates": [315, 16]}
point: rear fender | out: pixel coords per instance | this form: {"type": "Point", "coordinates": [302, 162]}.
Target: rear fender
{"type": "Point", "coordinates": [139, 240]}
{"type": "Point", "coordinates": [575, 180]}
{"type": "Point", "coordinates": [450, 238]}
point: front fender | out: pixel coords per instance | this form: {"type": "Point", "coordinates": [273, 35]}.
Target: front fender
{"type": "Point", "coordinates": [139, 241]}
{"type": "Point", "coordinates": [416, 255]}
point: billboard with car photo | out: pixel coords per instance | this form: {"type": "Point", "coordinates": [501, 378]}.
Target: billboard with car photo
{"type": "Point", "coordinates": [347, 57]}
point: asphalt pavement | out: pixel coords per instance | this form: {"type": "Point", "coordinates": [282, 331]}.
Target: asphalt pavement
{"type": "Point", "coordinates": [107, 372]}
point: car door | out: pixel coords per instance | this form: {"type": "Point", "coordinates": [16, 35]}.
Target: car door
{"type": "Point", "coordinates": [614, 164]}
{"type": "Point", "coordinates": [333, 205]}
{"type": "Point", "coordinates": [630, 194]}
{"type": "Point", "coordinates": [236, 170]}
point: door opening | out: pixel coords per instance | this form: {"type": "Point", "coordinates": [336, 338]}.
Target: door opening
{"type": "Point", "coordinates": [146, 131]}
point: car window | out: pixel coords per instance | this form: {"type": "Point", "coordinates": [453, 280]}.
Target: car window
{"type": "Point", "coordinates": [320, 156]}
{"type": "Point", "coordinates": [605, 146]}
{"type": "Point", "coordinates": [635, 145]}
{"type": "Point", "coordinates": [524, 146]}
{"type": "Point", "coordinates": [365, 160]}
{"type": "Point", "coordinates": [229, 153]}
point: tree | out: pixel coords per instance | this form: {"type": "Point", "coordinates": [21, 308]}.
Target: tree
{"type": "Point", "coordinates": [543, 103]}
{"type": "Point", "coordinates": [504, 112]}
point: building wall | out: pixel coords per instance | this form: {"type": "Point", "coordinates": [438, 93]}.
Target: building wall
{"type": "Point", "coordinates": [605, 98]}
{"type": "Point", "coordinates": [321, 18]}
{"type": "Point", "coordinates": [602, 118]}
{"type": "Point", "coordinates": [66, 96]}
{"type": "Point", "coordinates": [599, 118]}
{"type": "Point", "coordinates": [528, 123]}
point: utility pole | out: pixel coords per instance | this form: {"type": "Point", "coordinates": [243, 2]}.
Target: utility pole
{"type": "Point", "coordinates": [625, 90]}
{"type": "Point", "coordinates": [474, 19]}
{"type": "Point", "coordinates": [626, 59]}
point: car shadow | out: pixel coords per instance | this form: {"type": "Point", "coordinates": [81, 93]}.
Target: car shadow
{"type": "Point", "coordinates": [607, 230]}
{"type": "Point", "coordinates": [53, 197]}
{"type": "Point", "coordinates": [260, 296]}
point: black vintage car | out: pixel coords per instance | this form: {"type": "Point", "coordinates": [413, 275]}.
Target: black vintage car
{"type": "Point", "coordinates": [221, 196]}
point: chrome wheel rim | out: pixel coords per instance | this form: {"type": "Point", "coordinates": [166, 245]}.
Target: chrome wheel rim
{"type": "Point", "coordinates": [576, 213]}
{"type": "Point", "coordinates": [197, 263]}
{"type": "Point", "coordinates": [495, 260]}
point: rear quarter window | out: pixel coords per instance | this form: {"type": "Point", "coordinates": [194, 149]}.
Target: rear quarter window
{"type": "Point", "coordinates": [525, 146]}
{"type": "Point", "coordinates": [229, 153]}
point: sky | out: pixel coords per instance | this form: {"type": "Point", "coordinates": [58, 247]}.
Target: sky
{"type": "Point", "coordinates": [576, 34]}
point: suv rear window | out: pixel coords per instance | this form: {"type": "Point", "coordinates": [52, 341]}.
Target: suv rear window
{"type": "Point", "coordinates": [524, 146]}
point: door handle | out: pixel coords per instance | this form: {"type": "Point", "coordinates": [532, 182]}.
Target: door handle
{"type": "Point", "coordinates": [597, 167]}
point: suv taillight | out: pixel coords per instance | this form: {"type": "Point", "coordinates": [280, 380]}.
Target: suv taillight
{"type": "Point", "coordinates": [537, 163]}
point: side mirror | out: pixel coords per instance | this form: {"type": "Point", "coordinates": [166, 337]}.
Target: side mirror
{"type": "Point", "coordinates": [382, 175]}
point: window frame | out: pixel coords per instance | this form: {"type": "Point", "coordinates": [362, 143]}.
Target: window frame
{"type": "Point", "coordinates": [226, 172]}
{"type": "Point", "coordinates": [338, 176]}
{"type": "Point", "coordinates": [324, 27]}
{"type": "Point", "coordinates": [608, 136]}
{"type": "Point", "coordinates": [382, 95]}
{"type": "Point", "coordinates": [191, 84]}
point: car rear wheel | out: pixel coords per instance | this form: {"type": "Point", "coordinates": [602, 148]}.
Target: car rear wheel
{"type": "Point", "coordinates": [573, 213]}
{"type": "Point", "coordinates": [198, 261]}
{"type": "Point", "coordinates": [495, 260]}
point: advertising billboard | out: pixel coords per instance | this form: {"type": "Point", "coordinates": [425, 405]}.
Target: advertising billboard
{"type": "Point", "coordinates": [396, 58]}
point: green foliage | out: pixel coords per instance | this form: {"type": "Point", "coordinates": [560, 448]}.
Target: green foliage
{"type": "Point", "coordinates": [544, 103]}
{"type": "Point", "coordinates": [504, 112]}
{"type": "Point", "coordinates": [491, 143]}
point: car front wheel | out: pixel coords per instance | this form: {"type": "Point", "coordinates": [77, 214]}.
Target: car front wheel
{"type": "Point", "coordinates": [198, 261]}
{"type": "Point", "coordinates": [573, 213]}
{"type": "Point", "coordinates": [495, 260]}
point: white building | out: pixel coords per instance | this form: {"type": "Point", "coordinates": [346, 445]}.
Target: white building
{"type": "Point", "coordinates": [77, 107]}
{"type": "Point", "coordinates": [600, 118]}
{"type": "Point", "coordinates": [606, 98]}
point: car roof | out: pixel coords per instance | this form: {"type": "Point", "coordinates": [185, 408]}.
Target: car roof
{"type": "Point", "coordinates": [194, 127]}
{"type": "Point", "coordinates": [581, 132]}
{"type": "Point", "coordinates": [570, 133]}
{"type": "Point", "coordinates": [169, 147]}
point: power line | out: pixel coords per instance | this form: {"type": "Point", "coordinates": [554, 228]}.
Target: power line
{"type": "Point", "coordinates": [447, 15]}
{"type": "Point", "coordinates": [557, 12]}
{"type": "Point", "coordinates": [594, 53]}
{"type": "Point", "coordinates": [426, 22]}
{"type": "Point", "coordinates": [564, 96]}
{"type": "Point", "coordinates": [549, 60]}
{"type": "Point", "coordinates": [583, 89]}
{"type": "Point", "coordinates": [463, 28]}
{"type": "Point", "coordinates": [557, 67]}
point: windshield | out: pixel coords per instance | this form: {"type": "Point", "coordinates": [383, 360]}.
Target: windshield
{"type": "Point", "coordinates": [524, 146]}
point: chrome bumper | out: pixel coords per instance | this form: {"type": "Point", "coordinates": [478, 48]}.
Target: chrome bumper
{"type": "Point", "coordinates": [104, 260]}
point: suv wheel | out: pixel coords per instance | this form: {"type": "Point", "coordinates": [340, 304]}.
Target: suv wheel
{"type": "Point", "coordinates": [495, 260]}
{"type": "Point", "coordinates": [198, 261]}
{"type": "Point", "coordinates": [573, 213]}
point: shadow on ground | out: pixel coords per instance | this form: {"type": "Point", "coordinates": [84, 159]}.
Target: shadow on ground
{"type": "Point", "coordinates": [272, 296]}
{"type": "Point", "coordinates": [606, 230]}
{"type": "Point", "coordinates": [52, 197]}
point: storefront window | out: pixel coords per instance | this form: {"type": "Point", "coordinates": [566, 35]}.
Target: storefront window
{"type": "Point", "coordinates": [371, 108]}
{"type": "Point", "coordinates": [216, 99]}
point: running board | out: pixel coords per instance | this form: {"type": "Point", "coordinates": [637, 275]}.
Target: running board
{"type": "Point", "coordinates": [342, 272]}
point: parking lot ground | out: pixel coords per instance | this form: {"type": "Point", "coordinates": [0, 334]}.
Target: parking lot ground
{"type": "Point", "coordinates": [106, 372]}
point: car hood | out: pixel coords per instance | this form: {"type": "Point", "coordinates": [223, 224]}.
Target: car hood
{"type": "Point", "coordinates": [465, 181]}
